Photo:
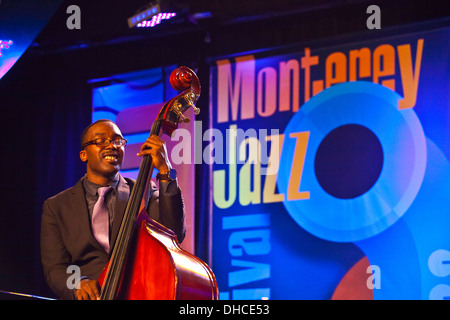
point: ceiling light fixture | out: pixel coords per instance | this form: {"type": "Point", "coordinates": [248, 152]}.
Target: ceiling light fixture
{"type": "Point", "coordinates": [156, 19]}
{"type": "Point", "coordinates": [151, 15]}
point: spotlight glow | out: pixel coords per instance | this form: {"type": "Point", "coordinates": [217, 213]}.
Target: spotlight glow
{"type": "Point", "coordinates": [5, 44]}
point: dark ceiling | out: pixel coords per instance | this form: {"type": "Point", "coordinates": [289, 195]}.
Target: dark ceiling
{"type": "Point", "coordinates": [104, 22]}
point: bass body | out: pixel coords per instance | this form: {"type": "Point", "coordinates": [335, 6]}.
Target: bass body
{"type": "Point", "coordinates": [159, 269]}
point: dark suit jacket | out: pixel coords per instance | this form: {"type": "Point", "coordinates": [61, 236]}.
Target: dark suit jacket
{"type": "Point", "coordinates": [66, 237]}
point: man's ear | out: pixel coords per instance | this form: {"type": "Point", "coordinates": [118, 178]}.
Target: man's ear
{"type": "Point", "coordinates": [83, 155]}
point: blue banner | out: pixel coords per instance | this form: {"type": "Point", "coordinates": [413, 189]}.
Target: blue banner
{"type": "Point", "coordinates": [330, 170]}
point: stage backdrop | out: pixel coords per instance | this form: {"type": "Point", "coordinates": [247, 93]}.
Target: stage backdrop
{"type": "Point", "coordinates": [330, 170]}
{"type": "Point", "coordinates": [133, 100]}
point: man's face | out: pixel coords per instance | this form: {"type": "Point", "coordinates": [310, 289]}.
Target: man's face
{"type": "Point", "coordinates": [102, 162]}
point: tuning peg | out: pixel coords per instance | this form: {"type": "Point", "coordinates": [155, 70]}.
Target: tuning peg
{"type": "Point", "coordinates": [191, 98]}
{"type": "Point", "coordinates": [184, 119]}
{"type": "Point", "coordinates": [196, 110]}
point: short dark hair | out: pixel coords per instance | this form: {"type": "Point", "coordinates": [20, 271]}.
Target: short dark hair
{"type": "Point", "coordinates": [85, 131]}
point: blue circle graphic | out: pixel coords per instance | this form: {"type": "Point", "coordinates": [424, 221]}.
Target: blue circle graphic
{"type": "Point", "coordinates": [401, 136]}
{"type": "Point", "coordinates": [348, 161]}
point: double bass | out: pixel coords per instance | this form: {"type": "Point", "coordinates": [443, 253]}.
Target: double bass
{"type": "Point", "coordinates": [147, 262]}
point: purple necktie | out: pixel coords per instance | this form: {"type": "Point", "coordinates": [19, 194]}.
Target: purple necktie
{"type": "Point", "coordinates": [100, 219]}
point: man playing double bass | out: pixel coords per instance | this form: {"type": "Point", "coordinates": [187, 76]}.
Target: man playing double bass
{"type": "Point", "coordinates": [77, 230]}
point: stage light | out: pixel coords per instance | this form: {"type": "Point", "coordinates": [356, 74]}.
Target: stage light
{"type": "Point", "coordinates": [5, 44]}
{"type": "Point", "coordinates": [151, 15]}
{"type": "Point", "coordinates": [156, 20]}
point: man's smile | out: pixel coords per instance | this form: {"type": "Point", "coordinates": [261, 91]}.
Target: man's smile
{"type": "Point", "coordinates": [111, 157]}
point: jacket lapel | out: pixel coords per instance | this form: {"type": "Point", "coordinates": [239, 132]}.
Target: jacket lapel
{"type": "Point", "coordinates": [80, 210]}
{"type": "Point", "coordinates": [123, 193]}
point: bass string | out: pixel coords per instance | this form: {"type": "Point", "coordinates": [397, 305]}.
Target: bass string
{"type": "Point", "coordinates": [117, 261]}
{"type": "Point", "coordinates": [120, 250]}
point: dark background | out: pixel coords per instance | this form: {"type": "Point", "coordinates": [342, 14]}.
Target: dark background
{"type": "Point", "coordinates": [45, 99]}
